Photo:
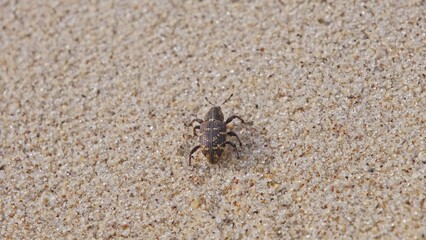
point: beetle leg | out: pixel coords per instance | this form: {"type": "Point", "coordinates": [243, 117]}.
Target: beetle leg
{"type": "Point", "coordinates": [234, 146]}
{"type": "Point", "coordinates": [232, 118]}
{"type": "Point", "coordinates": [195, 128]}
{"type": "Point", "coordinates": [196, 120]}
{"type": "Point", "coordinates": [233, 134]}
{"type": "Point", "coordinates": [192, 152]}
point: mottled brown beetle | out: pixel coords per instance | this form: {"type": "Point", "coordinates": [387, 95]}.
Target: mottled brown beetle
{"type": "Point", "coordinates": [213, 133]}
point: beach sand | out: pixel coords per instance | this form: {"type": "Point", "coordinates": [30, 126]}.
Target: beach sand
{"type": "Point", "coordinates": [94, 99]}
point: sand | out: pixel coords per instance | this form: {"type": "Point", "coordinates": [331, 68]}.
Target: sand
{"type": "Point", "coordinates": [94, 99]}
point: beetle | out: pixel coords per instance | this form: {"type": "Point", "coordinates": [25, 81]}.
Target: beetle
{"type": "Point", "coordinates": [213, 138]}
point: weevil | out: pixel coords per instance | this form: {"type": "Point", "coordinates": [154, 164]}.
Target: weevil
{"type": "Point", "coordinates": [213, 138]}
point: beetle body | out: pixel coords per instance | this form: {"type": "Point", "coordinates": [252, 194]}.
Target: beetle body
{"type": "Point", "coordinates": [213, 138]}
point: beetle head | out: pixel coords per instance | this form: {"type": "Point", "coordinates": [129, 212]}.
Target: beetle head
{"type": "Point", "coordinates": [215, 113]}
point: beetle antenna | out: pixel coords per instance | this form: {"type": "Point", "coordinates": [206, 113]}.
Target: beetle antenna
{"type": "Point", "coordinates": [227, 99]}
{"type": "Point", "coordinates": [209, 102]}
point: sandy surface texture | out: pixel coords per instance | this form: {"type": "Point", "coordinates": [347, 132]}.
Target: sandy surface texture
{"type": "Point", "coordinates": [95, 95]}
